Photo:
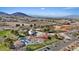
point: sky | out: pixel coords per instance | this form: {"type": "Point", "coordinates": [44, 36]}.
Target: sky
{"type": "Point", "coordinates": [43, 11]}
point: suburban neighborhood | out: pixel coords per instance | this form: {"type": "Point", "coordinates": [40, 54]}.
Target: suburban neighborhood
{"type": "Point", "coordinates": [22, 32]}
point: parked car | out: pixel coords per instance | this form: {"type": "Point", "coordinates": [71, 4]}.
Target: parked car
{"type": "Point", "coordinates": [47, 48]}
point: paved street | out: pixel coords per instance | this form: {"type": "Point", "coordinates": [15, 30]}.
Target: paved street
{"type": "Point", "coordinates": [59, 45]}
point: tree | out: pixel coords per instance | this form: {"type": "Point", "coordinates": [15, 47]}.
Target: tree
{"type": "Point", "coordinates": [49, 38]}
{"type": "Point", "coordinates": [17, 25]}
{"type": "Point", "coordinates": [15, 32]}
{"type": "Point", "coordinates": [46, 29]}
{"type": "Point", "coordinates": [31, 25]}
{"type": "Point", "coordinates": [0, 18]}
{"type": "Point", "coordinates": [34, 25]}
{"type": "Point", "coordinates": [22, 24]}
{"type": "Point", "coordinates": [8, 42]}
{"type": "Point", "coordinates": [56, 36]}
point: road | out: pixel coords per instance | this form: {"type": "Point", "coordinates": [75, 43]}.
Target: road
{"type": "Point", "coordinates": [59, 45]}
{"type": "Point", "coordinates": [7, 27]}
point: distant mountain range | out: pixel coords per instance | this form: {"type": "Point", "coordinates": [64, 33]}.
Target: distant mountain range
{"type": "Point", "coordinates": [20, 14]}
{"type": "Point", "coordinates": [3, 14]}
{"type": "Point", "coordinates": [25, 15]}
{"type": "Point", "coordinates": [72, 16]}
{"type": "Point", "coordinates": [14, 14]}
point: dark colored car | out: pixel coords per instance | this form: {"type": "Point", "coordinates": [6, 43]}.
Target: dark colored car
{"type": "Point", "coordinates": [47, 48]}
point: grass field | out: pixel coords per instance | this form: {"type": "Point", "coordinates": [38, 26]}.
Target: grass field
{"type": "Point", "coordinates": [53, 40]}
{"type": "Point", "coordinates": [76, 49]}
{"type": "Point", "coordinates": [5, 33]}
{"type": "Point", "coordinates": [34, 47]}
{"type": "Point", "coordinates": [3, 47]}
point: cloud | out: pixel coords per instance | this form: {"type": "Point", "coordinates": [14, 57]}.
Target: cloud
{"type": "Point", "coordinates": [43, 8]}
{"type": "Point", "coordinates": [59, 14]}
{"type": "Point", "coordinates": [68, 8]}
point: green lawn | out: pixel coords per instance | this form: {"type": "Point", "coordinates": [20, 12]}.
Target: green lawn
{"type": "Point", "coordinates": [50, 41]}
{"type": "Point", "coordinates": [34, 47]}
{"type": "Point", "coordinates": [3, 47]}
{"type": "Point", "coordinates": [5, 33]}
